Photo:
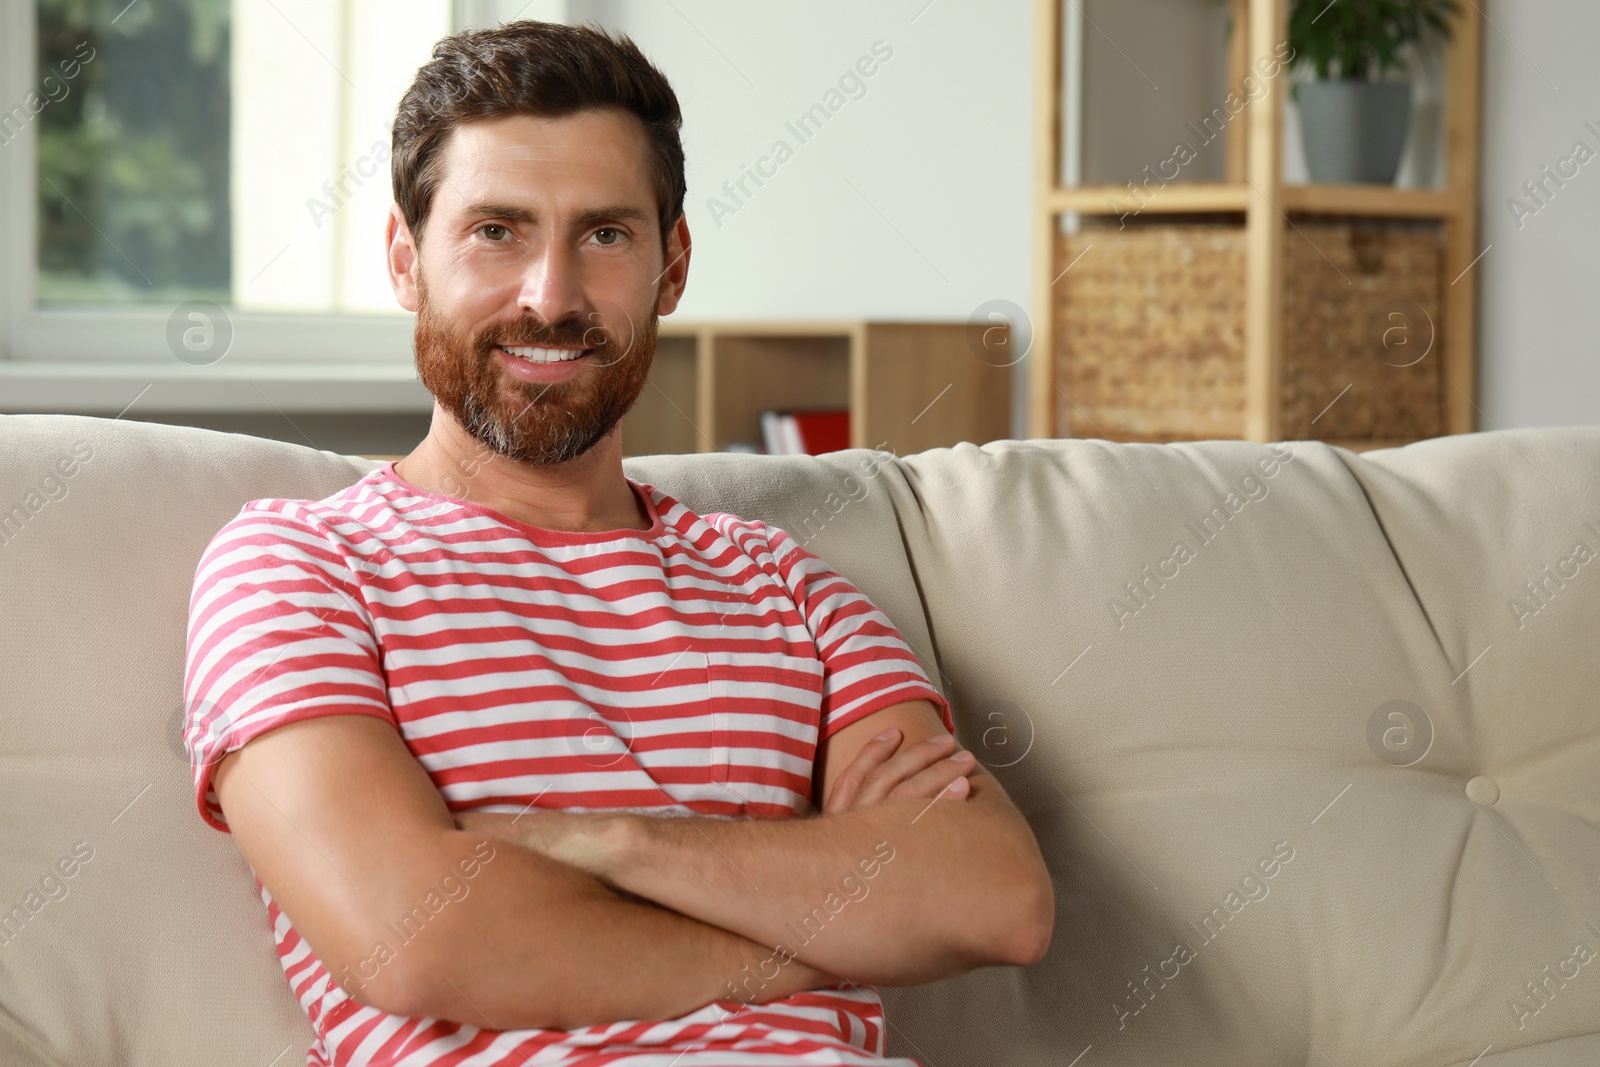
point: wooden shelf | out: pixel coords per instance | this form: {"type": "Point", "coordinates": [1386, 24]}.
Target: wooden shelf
{"type": "Point", "coordinates": [1254, 188]}
{"type": "Point", "coordinates": [909, 386]}
{"type": "Point", "coordinates": [1374, 201]}
{"type": "Point", "coordinates": [1177, 198]}
{"type": "Point", "coordinates": [1172, 198]}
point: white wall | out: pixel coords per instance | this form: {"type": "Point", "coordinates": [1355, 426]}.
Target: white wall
{"type": "Point", "coordinates": [939, 149]}
{"type": "Point", "coordinates": [1538, 283]}
{"type": "Point", "coordinates": [911, 202]}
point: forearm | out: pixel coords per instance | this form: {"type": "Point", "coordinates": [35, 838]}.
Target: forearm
{"type": "Point", "coordinates": [908, 891]}
{"type": "Point", "coordinates": [535, 943]}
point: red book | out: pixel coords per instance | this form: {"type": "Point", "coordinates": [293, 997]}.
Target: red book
{"type": "Point", "coordinates": [823, 430]}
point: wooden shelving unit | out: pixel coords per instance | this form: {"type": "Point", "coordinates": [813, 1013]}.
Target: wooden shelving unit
{"type": "Point", "coordinates": [1271, 213]}
{"type": "Point", "coordinates": [909, 386]}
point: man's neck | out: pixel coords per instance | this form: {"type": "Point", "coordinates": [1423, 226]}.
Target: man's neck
{"type": "Point", "coordinates": [587, 494]}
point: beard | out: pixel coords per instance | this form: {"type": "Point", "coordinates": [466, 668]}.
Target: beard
{"type": "Point", "coordinates": [538, 423]}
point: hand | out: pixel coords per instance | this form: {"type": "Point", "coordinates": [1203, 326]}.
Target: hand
{"type": "Point", "coordinates": [928, 769]}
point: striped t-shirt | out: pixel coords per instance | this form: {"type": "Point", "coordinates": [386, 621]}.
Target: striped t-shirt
{"type": "Point", "coordinates": [690, 668]}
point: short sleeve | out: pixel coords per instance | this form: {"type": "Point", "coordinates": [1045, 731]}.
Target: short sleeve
{"type": "Point", "coordinates": [277, 633]}
{"type": "Point", "coordinates": [866, 664]}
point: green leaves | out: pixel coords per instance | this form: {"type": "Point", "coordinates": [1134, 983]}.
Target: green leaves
{"type": "Point", "coordinates": [1361, 40]}
{"type": "Point", "coordinates": [134, 199]}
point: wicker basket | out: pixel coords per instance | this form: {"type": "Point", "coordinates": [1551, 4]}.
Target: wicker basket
{"type": "Point", "coordinates": [1150, 331]}
{"type": "Point", "coordinates": [1362, 308]}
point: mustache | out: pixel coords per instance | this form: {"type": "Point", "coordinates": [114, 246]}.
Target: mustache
{"type": "Point", "coordinates": [537, 335]}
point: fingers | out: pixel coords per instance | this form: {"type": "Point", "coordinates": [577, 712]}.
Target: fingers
{"type": "Point", "coordinates": [869, 759]}
{"type": "Point", "coordinates": [930, 768]}
{"type": "Point", "coordinates": [931, 757]}
{"type": "Point", "coordinates": [948, 775]}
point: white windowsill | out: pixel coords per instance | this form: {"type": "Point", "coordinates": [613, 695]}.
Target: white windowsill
{"type": "Point", "coordinates": [108, 387]}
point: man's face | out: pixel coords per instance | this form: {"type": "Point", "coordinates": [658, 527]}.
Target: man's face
{"type": "Point", "coordinates": [543, 234]}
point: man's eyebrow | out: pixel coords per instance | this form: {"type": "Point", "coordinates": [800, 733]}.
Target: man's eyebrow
{"type": "Point", "coordinates": [586, 218]}
{"type": "Point", "coordinates": [612, 213]}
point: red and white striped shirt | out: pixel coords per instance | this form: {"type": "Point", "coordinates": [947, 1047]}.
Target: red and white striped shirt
{"type": "Point", "coordinates": [691, 668]}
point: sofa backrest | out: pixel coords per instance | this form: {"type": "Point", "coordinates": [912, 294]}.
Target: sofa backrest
{"type": "Point", "coordinates": [1310, 782]}
{"type": "Point", "coordinates": [1310, 740]}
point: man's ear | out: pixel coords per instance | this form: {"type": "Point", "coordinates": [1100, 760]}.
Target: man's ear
{"type": "Point", "coordinates": [402, 259]}
{"type": "Point", "coordinates": [676, 275]}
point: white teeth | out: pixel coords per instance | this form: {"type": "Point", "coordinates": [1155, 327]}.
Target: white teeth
{"type": "Point", "coordinates": [545, 355]}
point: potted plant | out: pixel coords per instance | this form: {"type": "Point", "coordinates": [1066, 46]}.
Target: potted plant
{"type": "Point", "coordinates": [1352, 122]}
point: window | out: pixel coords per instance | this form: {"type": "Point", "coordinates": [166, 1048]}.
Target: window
{"type": "Point", "coordinates": [230, 152]}
{"type": "Point", "coordinates": [132, 154]}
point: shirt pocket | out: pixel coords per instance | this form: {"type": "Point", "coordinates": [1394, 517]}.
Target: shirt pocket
{"type": "Point", "coordinates": [765, 714]}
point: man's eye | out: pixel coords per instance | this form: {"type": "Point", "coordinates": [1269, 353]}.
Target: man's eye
{"type": "Point", "coordinates": [617, 234]}
{"type": "Point", "coordinates": [495, 232]}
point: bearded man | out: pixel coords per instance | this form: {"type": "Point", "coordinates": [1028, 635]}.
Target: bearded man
{"type": "Point", "coordinates": [531, 763]}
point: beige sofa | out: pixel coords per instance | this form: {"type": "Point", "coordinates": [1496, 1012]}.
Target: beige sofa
{"type": "Point", "coordinates": [1320, 788]}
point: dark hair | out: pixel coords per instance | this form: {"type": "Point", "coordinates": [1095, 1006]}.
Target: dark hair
{"type": "Point", "coordinates": [531, 68]}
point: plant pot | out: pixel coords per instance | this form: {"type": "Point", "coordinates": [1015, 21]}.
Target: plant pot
{"type": "Point", "coordinates": [1354, 131]}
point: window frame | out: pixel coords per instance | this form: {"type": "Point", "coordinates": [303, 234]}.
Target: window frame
{"type": "Point", "coordinates": [104, 359]}
{"type": "Point", "coordinates": [43, 337]}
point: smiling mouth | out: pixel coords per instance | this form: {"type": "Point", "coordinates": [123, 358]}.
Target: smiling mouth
{"type": "Point", "coordinates": [544, 356]}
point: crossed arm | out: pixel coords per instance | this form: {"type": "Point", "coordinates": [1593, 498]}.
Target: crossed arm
{"type": "Point", "coordinates": [917, 868]}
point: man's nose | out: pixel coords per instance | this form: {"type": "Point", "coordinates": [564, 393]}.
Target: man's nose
{"type": "Point", "coordinates": [552, 283]}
